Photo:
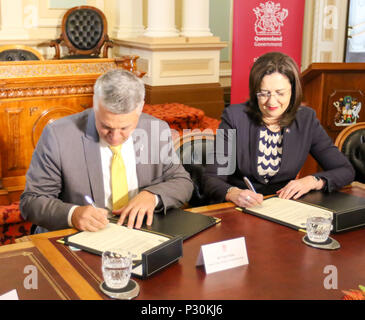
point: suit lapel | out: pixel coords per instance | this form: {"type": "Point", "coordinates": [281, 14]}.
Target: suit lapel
{"type": "Point", "coordinates": [289, 146]}
{"type": "Point", "coordinates": [93, 161]}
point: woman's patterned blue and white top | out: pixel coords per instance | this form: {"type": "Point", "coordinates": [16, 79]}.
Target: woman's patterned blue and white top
{"type": "Point", "coordinates": [270, 151]}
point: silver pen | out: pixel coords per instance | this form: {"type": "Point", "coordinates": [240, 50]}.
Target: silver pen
{"type": "Point", "coordinates": [249, 184]}
{"type": "Point", "coordinates": [90, 201]}
{"type": "Point", "coordinates": [111, 216]}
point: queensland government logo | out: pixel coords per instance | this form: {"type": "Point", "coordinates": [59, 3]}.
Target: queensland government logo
{"type": "Point", "coordinates": [269, 20]}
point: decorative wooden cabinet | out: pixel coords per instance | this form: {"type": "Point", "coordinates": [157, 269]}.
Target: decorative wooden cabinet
{"type": "Point", "coordinates": [32, 94]}
{"type": "Point", "coordinates": [336, 91]}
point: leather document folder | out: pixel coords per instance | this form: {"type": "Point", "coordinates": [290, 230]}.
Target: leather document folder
{"type": "Point", "coordinates": [177, 225]}
{"type": "Point", "coordinates": [178, 222]}
{"type": "Point", "coordinates": [153, 251]}
{"type": "Point", "coordinates": [348, 210]}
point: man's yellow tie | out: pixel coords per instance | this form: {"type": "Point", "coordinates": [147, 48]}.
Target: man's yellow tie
{"type": "Point", "coordinates": [119, 179]}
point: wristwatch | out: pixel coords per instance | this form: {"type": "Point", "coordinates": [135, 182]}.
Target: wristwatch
{"type": "Point", "coordinates": [320, 179]}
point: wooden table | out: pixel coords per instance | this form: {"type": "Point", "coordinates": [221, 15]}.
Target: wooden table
{"type": "Point", "coordinates": [280, 265]}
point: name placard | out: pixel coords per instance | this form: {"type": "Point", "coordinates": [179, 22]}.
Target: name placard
{"type": "Point", "coordinates": [223, 255]}
{"type": "Point", "coordinates": [11, 295]}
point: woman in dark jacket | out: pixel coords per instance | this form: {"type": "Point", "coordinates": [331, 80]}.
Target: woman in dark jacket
{"type": "Point", "coordinates": [268, 138]}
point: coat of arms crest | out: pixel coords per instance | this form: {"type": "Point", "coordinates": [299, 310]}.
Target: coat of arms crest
{"type": "Point", "coordinates": [269, 18]}
{"type": "Point", "coordinates": [348, 109]}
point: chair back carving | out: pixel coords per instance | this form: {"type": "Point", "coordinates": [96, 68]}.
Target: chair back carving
{"type": "Point", "coordinates": [351, 142]}
{"type": "Point", "coordinates": [19, 53]}
{"type": "Point", "coordinates": [84, 33]}
{"type": "Point", "coordinates": [195, 151]}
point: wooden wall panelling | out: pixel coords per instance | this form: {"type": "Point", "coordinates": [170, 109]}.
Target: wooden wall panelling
{"type": "Point", "coordinates": [33, 94]}
{"type": "Point", "coordinates": [324, 85]}
{"type": "Point", "coordinates": [13, 134]}
{"type": "Point", "coordinates": [207, 97]}
{"type": "Point", "coordinates": [4, 194]}
{"type": "Point", "coordinates": [24, 123]}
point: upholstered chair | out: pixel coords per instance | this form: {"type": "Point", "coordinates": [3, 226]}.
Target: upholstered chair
{"type": "Point", "coordinates": [12, 224]}
{"type": "Point", "coordinates": [351, 141]}
{"type": "Point", "coordinates": [84, 33]}
{"type": "Point", "coordinates": [19, 53]}
{"type": "Point", "coordinates": [194, 150]}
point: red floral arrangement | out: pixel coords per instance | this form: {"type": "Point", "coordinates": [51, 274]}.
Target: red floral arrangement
{"type": "Point", "coordinates": [354, 294]}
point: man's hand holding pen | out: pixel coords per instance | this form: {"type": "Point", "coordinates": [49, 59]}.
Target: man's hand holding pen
{"type": "Point", "coordinates": [89, 218]}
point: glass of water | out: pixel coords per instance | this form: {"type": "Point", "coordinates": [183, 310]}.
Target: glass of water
{"type": "Point", "coordinates": [116, 267]}
{"type": "Point", "coordinates": [319, 228]}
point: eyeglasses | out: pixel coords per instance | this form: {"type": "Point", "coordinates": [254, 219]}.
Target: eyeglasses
{"type": "Point", "coordinates": [266, 95]}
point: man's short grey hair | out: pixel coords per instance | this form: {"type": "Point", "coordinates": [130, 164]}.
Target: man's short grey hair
{"type": "Point", "coordinates": [119, 91]}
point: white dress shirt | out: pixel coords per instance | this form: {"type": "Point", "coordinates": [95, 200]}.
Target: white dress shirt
{"type": "Point", "coordinates": [129, 159]}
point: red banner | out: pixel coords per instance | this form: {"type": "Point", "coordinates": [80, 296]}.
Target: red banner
{"type": "Point", "coordinates": [260, 27]}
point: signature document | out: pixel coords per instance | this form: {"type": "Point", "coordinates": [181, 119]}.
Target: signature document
{"type": "Point", "coordinates": [118, 237]}
{"type": "Point", "coordinates": [289, 212]}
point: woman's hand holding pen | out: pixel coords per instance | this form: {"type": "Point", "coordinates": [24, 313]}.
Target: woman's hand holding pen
{"type": "Point", "coordinates": [244, 197]}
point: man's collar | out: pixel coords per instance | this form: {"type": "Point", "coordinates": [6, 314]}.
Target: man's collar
{"type": "Point", "coordinates": [103, 143]}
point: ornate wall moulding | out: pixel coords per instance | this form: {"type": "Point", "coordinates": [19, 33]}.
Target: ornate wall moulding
{"type": "Point", "coordinates": [48, 69]}
{"type": "Point", "coordinates": [45, 91]}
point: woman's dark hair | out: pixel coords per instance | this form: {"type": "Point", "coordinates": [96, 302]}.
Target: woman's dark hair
{"type": "Point", "coordinates": [267, 64]}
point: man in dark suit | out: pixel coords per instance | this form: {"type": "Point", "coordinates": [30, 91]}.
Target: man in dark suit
{"type": "Point", "coordinates": [73, 158]}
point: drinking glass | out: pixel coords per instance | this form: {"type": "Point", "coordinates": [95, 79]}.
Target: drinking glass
{"type": "Point", "coordinates": [116, 268]}
{"type": "Point", "coordinates": [319, 228]}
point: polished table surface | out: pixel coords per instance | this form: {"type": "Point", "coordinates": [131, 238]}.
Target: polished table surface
{"type": "Point", "coordinates": [280, 265]}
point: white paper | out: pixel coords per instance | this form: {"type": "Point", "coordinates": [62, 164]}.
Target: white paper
{"type": "Point", "coordinates": [223, 255]}
{"type": "Point", "coordinates": [289, 211]}
{"type": "Point", "coordinates": [138, 270]}
{"type": "Point", "coordinates": [119, 237]}
{"type": "Point", "coordinates": [11, 295]}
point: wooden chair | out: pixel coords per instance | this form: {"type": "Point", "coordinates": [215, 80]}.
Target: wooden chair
{"type": "Point", "coordinates": [193, 149]}
{"type": "Point", "coordinates": [351, 142]}
{"type": "Point", "coordinates": [84, 33]}
{"type": "Point", "coordinates": [19, 53]}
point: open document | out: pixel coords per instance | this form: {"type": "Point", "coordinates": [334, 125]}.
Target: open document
{"type": "Point", "coordinates": [155, 246]}
{"type": "Point", "coordinates": [292, 213]}
{"type": "Point", "coordinates": [117, 237]}
{"type": "Point", "coordinates": [152, 251]}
